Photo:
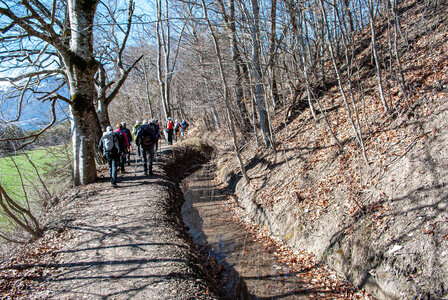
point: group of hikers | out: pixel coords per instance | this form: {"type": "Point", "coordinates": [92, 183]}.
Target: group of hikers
{"type": "Point", "coordinates": [175, 129]}
{"type": "Point", "coordinates": [116, 144]}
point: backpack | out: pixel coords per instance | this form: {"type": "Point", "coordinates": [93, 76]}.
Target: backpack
{"type": "Point", "coordinates": [148, 136]}
{"type": "Point", "coordinates": [128, 134]}
{"type": "Point", "coordinates": [153, 126]}
{"type": "Point", "coordinates": [169, 124]}
{"type": "Point", "coordinates": [109, 143]}
{"type": "Point", "coordinates": [121, 140]}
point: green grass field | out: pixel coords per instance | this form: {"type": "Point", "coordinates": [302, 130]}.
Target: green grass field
{"type": "Point", "coordinates": [47, 162]}
{"type": "Point", "coordinates": [53, 165]}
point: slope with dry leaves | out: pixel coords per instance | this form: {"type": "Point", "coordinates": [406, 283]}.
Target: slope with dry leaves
{"type": "Point", "coordinates": [382, 222]}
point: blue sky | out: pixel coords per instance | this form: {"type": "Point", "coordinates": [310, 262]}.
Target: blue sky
{"type": "Point", "coordinates": [35, 112]}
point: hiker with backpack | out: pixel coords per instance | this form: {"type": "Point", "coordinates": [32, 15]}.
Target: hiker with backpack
{"type": "Point", "coordinates": [158, 134]}
{"type": "Point", "coordinates": [110, 147]}
{"type": "Point", "coordinates": [169, 131]}
{"type": "Point", "coordinates": [134, 134]}
{"type": "Point", "coordinates": [146, 138]}
{"type": "Point", "coordinates": [130, 139]}
{"type": "Point", "coordinates": [124, 145]}
{"type": "Point", "coordinates": [176, 129]}
{"type": "Point", "coordinates": [183, 128]}
{"type": "Point", "coordinates": [155, 126]}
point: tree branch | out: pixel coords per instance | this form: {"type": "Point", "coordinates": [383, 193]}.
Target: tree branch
{"type": "Point", "coordinates": [120, 82]}
{"type": "Point", "coordinates": [126, 36]}
{"type": "Point", "coordinates": [34, 137]}
{"type": "Point", "coordinates": [32, 74]}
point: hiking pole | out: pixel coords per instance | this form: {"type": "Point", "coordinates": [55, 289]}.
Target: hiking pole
{"type": "Point", "coordinates": [136, 164]}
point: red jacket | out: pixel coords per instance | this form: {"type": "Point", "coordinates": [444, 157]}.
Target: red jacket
{"type": "Point", "coordinates": [169, 124]}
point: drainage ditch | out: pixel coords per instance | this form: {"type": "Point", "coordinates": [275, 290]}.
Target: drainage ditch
{"type": "Point", "coordinates": [250, 267]}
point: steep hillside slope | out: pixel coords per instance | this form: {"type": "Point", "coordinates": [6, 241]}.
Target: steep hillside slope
{"type": "Point", "coordinates": [379, 216]}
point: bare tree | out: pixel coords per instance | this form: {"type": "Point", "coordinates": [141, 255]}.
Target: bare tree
{"type": "Point", "coordinates": [255, 30]}
{"type": "Point", "coordinates": [273, 54]}
{"type": "Point", "coordinates": [57, 40]}
{"type": "Point", "coordinates": [230, 20]}
{"type": "Point", "coordinates": [20, 216]}
{"type": "Point", "coordinates": [72, 42]}
{"type": "Point", "coordinates": [356, 130]}
{"type": "Point", "coordinates": [108, 89]}
{"type": "Point", "coordinates": [226, 93]}
{"type": "Point", "coordinates": [376, 58]}
{"type": "Point", "coordinates": [165, 63]}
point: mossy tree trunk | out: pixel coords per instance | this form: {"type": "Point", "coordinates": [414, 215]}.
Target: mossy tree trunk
{"type": "Point", "coordinates": [81, 68]}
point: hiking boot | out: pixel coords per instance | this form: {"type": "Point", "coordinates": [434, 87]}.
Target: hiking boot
{"type": "Point", "coordinates": [114, 184]}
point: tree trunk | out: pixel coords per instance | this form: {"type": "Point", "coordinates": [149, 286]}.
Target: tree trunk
{"type": "Point", "coordinates": [229, 18]}
{"type": "Point", "coordinates": [167, 51]}
{"type": "Point", "coordinates": [376, 58]}
{"type": "Point", "coordinates": [238, 62]}
{"type": "Point", "coordinates": [148, 95]}
{"type": "Point", "coordinates": [101, 105]}
{"type": "Point", "coordinates": [161, 48]}
{"type": "Point", "coordinates": [103, 114]}
{"type": "Point", "coordinates": [348, 18]}
{"type": "Point", "coordinates": [397, 51]}
{"type": "Point", "coordinates": [82, 67]}
{"type": "Point", "coordinates": [85, 136]}
{"type": "Point", "coordinates": [257, 74]}
{"type": "Point", "coordinates": [273, 54]}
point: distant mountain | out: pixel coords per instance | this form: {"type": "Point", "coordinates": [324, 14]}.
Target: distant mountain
{"type": "Point", "coordinates": [34, 113]}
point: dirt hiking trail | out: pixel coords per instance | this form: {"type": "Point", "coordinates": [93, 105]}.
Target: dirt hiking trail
{"type": "Point", "coordinates": [125, 242]}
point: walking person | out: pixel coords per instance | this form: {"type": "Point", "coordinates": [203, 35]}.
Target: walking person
{"type": "Point", "coordinates": [176, 129]}
{"type": "Point", "coordinates": [169, 131]}
{"type": "Point", "coordinates": [130, 139]}
{"type": "Point", "coordinates": [110, 147]}
{"type": "Point", "coordinates": [146, 138]}
{"type": "Point", "coordinates": [183, 128]}
{"type": "Point", "coordinates": [155, 126]}
{"type": "Point", "coordinates": [134, 134]}
{"type": "Point", "coordinates": [158, 134]}
{"type": "Point", "coordinates": [124, 145]}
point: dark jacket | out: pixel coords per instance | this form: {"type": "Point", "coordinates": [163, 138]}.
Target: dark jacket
{"type": "Point", "coordinates": [128, 135]}
{"type": "Point", "coordinates": [146, 133]}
